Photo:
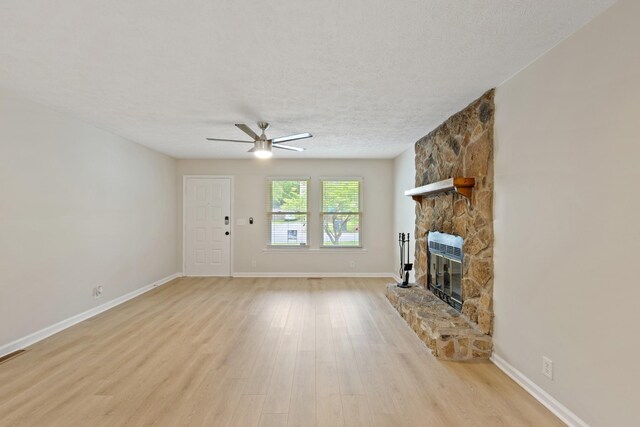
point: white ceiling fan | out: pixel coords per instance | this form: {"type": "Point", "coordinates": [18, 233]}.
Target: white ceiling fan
{"type": "Point", "coordinates": [261, 145]}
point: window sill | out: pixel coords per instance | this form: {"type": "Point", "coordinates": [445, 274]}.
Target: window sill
{"type": "Point", "coordinates": [325, 250]}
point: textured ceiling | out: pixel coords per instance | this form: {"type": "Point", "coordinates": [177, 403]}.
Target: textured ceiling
{"type": "Point", "coordinates": [367, 78]}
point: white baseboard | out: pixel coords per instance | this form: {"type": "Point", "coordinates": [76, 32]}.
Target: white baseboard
{"type": "Point", "coordinates": [538, 393]}
{"type": "Point", "coordinates": [288, 274]}
{"type": "Point", "coordinates": [33, 338]}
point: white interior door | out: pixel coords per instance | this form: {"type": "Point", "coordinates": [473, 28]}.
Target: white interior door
{"type": "Point", "coordinates": [207, 226]}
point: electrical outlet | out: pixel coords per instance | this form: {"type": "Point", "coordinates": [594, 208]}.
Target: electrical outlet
{"type": "Point", "coordinates": [254, 263]}
{"type": "Point", "coordinates": [97, 292]}
{"type": "Point", "coordinates": [547, 367]}
{"type": "Point", "coordinates": [352, 264]}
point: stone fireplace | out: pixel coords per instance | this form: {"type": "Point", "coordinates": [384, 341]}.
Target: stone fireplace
{"type": "Point", "coordinates": [451, 307]}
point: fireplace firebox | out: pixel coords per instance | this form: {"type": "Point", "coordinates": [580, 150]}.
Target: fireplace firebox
{"type": "Point", "coordinates": [445, 263]}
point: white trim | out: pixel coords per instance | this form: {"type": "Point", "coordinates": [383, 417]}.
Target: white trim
{"type": "Point", "coordinates": [184, 220]}
{"type": "Point", "coordinates": [209, 275]}
{"type": "Point", "coordinates": [288, 274]}
{"type": "Point", "coordinates": [557, 408]}
{"type": "Point", "coordinates": [305, 249]}
{"type": "Point", "coordinates": [289, 178]}
{"type": "Point", "coordinates": [33, 338]}
{"type": "Point", "coordinates": [341, 178]}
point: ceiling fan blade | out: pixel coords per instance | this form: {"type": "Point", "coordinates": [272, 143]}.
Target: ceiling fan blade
{"type": "Point", "coordinates": [291, 137]}
{"type": "Point", "coordinates": [230, 140]}
{"type": "Point", "coordinates": [287, 147]}
{"type": "Point", "coordinates": [246, 129]}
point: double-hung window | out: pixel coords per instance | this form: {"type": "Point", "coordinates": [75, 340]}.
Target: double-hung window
{"type": "Point", "coordinates": [287, 211]}
{"type": "Point", "coordinates": [341, 212]}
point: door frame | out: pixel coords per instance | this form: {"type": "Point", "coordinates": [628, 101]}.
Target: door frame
{"type": "Point", "coordinates": [184, 220]}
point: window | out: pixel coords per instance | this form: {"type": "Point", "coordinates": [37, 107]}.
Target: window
{"type": "Point", "coordinates": [287, 211]}
{"type": "Point", "coordinates": [341, 212]}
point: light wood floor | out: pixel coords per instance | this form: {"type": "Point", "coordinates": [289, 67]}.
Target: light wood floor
{"type": "Point", "coordinates": [254, 352]}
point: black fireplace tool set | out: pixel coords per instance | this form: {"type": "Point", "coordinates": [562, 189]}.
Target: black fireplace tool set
{"type": "Point", "coordinates": [405, 265]}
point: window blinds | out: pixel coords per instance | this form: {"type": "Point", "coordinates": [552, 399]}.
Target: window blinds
{"type": "Point", "coordinates": [341, 212]}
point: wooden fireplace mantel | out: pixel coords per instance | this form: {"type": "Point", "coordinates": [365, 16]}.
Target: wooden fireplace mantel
{"type": "Point", "coordinates": [460, 185]}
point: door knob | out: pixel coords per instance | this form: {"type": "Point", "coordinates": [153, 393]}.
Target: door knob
{"type": "Point", "coordinates": [226, 233]}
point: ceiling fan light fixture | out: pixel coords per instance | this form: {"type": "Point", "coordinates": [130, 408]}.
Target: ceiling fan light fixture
{"type": "Point", "coordinates": [262, 146]}
{"type": "Point", "coordinates": [262, 149]}
{"type": "Point", "coordinates": [263, 154]}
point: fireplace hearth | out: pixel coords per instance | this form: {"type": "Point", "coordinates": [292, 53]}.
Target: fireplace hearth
{"type": "Point", "coordinates": [445, 267]}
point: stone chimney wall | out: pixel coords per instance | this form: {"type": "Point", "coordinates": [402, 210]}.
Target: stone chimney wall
{"type": "Point", "coordinates": [461, 147]}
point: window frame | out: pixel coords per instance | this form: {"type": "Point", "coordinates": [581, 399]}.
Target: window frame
{"type": "Point", "coordinates": [270, 213]}
{"type": "Point", "coordinates": [360, 212]}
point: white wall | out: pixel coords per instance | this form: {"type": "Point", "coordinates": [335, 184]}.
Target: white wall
{"type": "Point", "coordinates": [78, 207]}
{"type": "Point", "coordinates": [249, 201]}
{"type": "Point", "coordinates": [567, 232]}
{"type": "Point", "coordinates": [404, 208]}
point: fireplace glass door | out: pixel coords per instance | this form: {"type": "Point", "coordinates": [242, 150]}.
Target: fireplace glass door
{"type": "Point", "coordinates": [455, 272]}
{"type": "Point", "coordinates": [446, 275]}
{"type": "Point", "coordinates": [445, 267]}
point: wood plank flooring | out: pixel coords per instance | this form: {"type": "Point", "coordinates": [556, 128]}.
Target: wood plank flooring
{"type": "Point", "coordinates": [254, 352]}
